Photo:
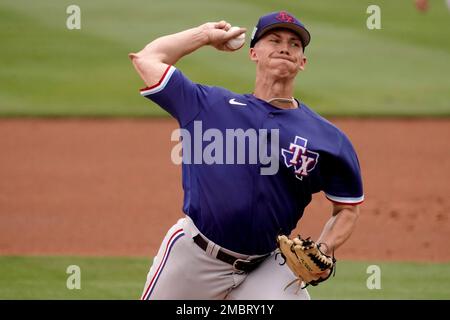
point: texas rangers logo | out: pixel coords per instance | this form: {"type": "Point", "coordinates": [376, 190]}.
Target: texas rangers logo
{"type": "Point", "coordinates": [302, 159]}
{"type": "Point", "coordinates": [285, 17]}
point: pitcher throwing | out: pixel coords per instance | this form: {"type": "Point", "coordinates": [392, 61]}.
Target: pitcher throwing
{"type": "Point", "coordinates": [226, 245]}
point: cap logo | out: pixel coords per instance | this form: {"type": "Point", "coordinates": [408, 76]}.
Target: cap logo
{"type": "Point", "coordinates": [284, 17]}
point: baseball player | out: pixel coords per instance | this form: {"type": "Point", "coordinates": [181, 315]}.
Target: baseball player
{"type": "Point", "coordinates": [225, 245]}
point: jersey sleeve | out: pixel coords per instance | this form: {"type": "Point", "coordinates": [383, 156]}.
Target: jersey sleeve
{"type": "Point", "coordinates": [342, 181]}
{"type": "Point", "coordinates": [179, 96]}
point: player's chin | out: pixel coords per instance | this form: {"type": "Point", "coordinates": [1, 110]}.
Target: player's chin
{"type": "Point", "coordinates": [284, 68]}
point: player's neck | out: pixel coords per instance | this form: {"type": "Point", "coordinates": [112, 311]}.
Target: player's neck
{"type": "Point", "coordinates": [277, 92]}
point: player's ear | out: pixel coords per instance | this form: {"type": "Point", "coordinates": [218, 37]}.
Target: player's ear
{"type": "Point", "coordinates": [252, 54]}
{"type": "Point", "coordinates": [302, 63]}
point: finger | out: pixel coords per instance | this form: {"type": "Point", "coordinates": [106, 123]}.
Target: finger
{"type": "Point", "coordinates": [227, 27]}
{"type": "Point", "coordinates": [221, 24]}
{"type": "Point", "coordinates": [235, 33]}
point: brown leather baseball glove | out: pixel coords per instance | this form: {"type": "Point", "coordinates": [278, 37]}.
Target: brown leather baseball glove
{"type": "Point", "coordinates": [304, 258]}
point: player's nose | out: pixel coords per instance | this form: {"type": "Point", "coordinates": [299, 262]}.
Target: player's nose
{"type": "Point", "coordinates": [284, 51]}
{"type": "Point", "coordinates": [284, 48]}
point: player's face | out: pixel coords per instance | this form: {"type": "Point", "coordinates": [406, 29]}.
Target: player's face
{"type": "Point", "coordinates": [280, 51]}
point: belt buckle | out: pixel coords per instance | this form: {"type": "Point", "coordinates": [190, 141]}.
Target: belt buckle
{"type": "Point", "coordinates": [239, 260]}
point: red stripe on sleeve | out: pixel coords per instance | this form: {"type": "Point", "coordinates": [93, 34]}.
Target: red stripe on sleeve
{"type": "Point", "coordinates": [159, 82]}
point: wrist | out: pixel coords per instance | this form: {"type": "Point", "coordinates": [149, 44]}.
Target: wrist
{"type": "Point", "coordinates": [201, 35]}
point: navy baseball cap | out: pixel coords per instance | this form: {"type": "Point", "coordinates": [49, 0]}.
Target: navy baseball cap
{"type": "Point", "coordinates": [280, 19]}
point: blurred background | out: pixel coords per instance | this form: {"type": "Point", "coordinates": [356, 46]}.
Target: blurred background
{"type": "Point", "coordinates": [85, 171]}
{"type": "Point", "coordinates": [46, 69]}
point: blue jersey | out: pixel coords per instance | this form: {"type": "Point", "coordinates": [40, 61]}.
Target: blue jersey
{"type": "Point", "coordinates": [232, 203]}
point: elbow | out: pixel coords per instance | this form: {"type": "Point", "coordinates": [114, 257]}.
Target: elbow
{"type": "Point", "coordinates": [136, 58]}
{"type": "Point", "coordinates": [149, 52]}
{"type": "Point", "coordinates": [145, 57]}
{"type": "Point", "coordinates": [133, 56]}
{"type": "Point", "coordinates": [138, 61]}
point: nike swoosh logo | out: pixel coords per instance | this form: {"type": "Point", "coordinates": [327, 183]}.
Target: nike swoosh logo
{"type": "Point", "coordinates": [233, 101]}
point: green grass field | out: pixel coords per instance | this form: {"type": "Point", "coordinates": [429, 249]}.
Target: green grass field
{"type": "Point", "coordinates": [46, 277]}
{"type": "Point", "coordinates": [123, 278]}
{"type": "Point", "coordinates": [48, 70]}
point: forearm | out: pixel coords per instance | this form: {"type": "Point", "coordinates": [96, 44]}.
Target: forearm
{"type": "Point", "coordinates": [338, 228]}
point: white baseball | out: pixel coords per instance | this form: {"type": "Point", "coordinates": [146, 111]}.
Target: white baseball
{"type": "Point", "coordinates": [237, 42]}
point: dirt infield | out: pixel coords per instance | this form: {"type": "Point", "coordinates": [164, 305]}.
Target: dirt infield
{"type": "Point", "coordinates": [108, 187]}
